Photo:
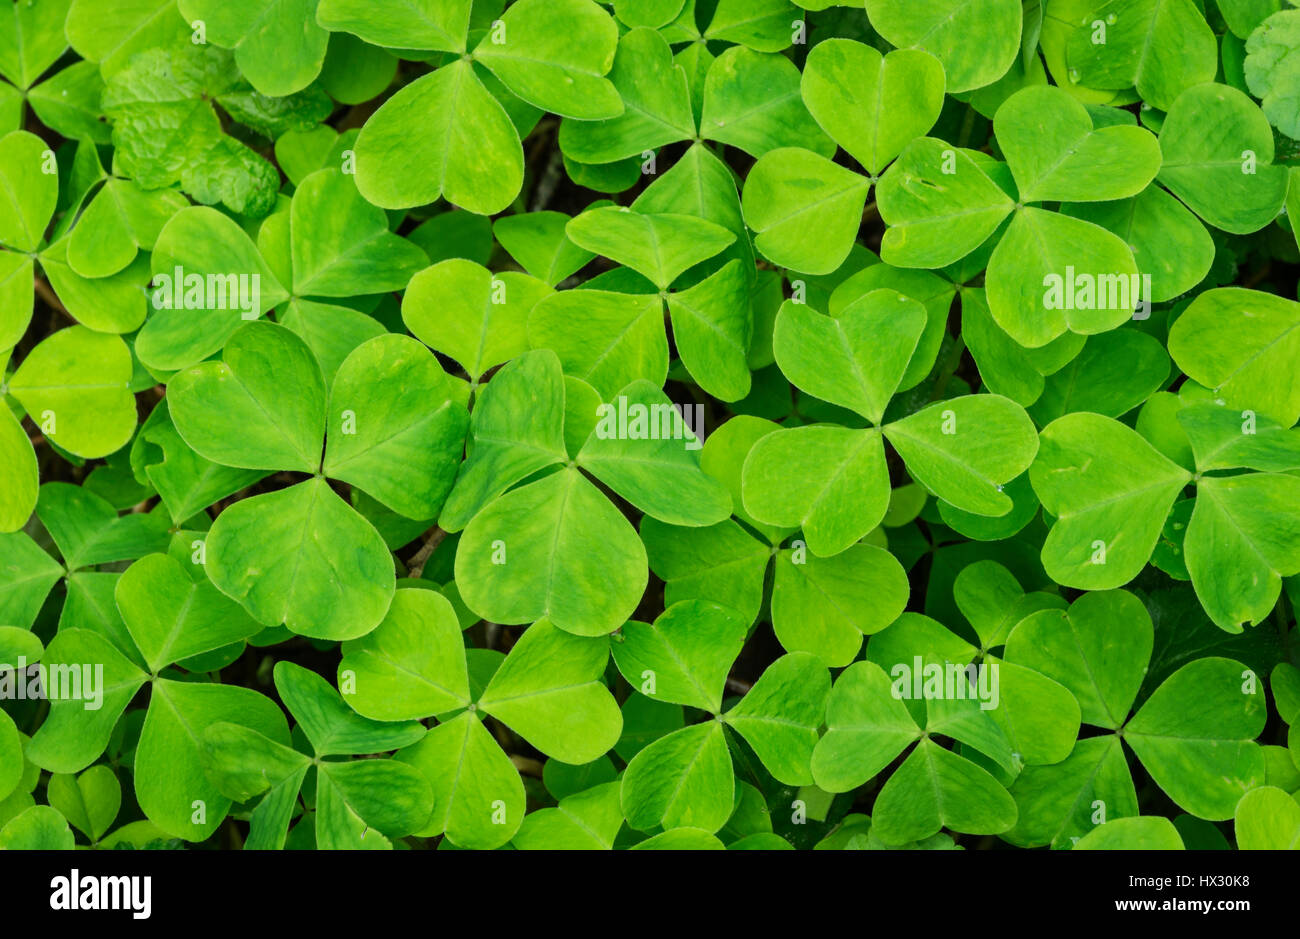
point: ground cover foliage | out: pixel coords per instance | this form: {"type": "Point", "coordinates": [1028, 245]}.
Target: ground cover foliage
{"type": "Point", "coordinates": [463, 424]}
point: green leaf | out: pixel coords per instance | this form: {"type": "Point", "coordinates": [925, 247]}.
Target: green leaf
{"type": "Point", "coordinates": [1056, 154]}
{"type": "Point", "coordinates": [1241, 541]}
{"type": "Point", "coordinates": [329, 725]}
{"type": "Point", "coordinates": [752, 101]}
{"type": "Point", "coordinates": [77, 383]}
{"type": "Point", "coordinates": [412, 665]}
{"type": "Point", "coordinates": [436, 25]}
{"type": "Point", "coordinates": [206, 247]}
{"type": "Point", "coordinates": [1236, 342]}
{"type": "Point", "coordinates": [654, 467]}
{"type": "Point", "coordinates": [121, 220]}
{"type": "Point", "coordinates": [1115, 372]}
{"type": "Point", "coordinates": [31, 40]}
{"type": "Point", "coordinates": [555, 548]}
{"type": "Point", "coordinates": [1267, 819]}
{"type": "Point", "coordinates": [534, 55]}
{"type": "Point", "coordinates": [1226, 177]}
{"type": "Point", "coordinates": [866, 729]}
{"type": "Point", "coordinates": [185, 481]}
{"type": "Point", "coordinates": [1169, 243]}
{"type": "Point", "coordinates": [939, 205]}
{"type": "Point", "coordinates": [1269, 75]}
{"type": "Point", "coordinates": [114, 304]}
{"type": "Point", "coordinates": [1051, 273]}
{"type": "Point", "coordinates": [976, 40]}
{"type": "Point", "coordinates": [548, 690]}
{"type": "Point", "coordinates": [805, 209]}
{"type": "Point", "coordinates": [830, 481]}
{"type": "Point", "coordinates": [538, 241]}
{"type": "Point", "coordinates": [934, 789]}
{"type": "Point", "coordinates": [27, 192]}
{"type": "Point", "coordinates": [474, 784]}
{"type": "Point", "coordinates": [26, 575]}
{"type": "Point", "coordinates": [516, 429]}
{"type": "Point", "coordinates": [713, 328]}
{"type": "Point", "coordinates": [169, 775]}
{"type": "Point", "coordinates": [396, 430]}
{"type": "Point", "coordinates": [166, 131]}
{"type": "Point", "coordinates": [657, 105]}
{"type": "Point", "coordinates": [463, 310]}
{"type": "Point", "coordinates": [113, 35]}
{"type": "Point", "coordinates": [1195, 736]}
{"type": "Point", "coordinates": [171, 617]}
{"type": "Point", "coordinates": [1161, 46]}
{"type": "Point", "coordinates": [682, 780]}
{"type": "Point", "coordinates": [231, 412]}
{"type": "Point", "coordinates": [872, 105]}
{"type": "Point", "coordinates": [21, 479]}
{"type": "Point", "coordinates": [826, 605]}
{"type": "Point", "coordinates": [721, 563]}
{"type": "Point", "coordinates": [302, 557]}
{"type": "Point", "coordinates": [277, 43]}
{"type": "Point", "coordinates": [1111, 492]}
{"type": "Point", "coordinates": [341, 244]}
{"type": "Point", "coordinates": [360, 802]}
{"type": "Point", "coordinates": [443, 135]}
{"type": "Point", "coordinates": [780, 715]}
{"type": "Point", "coordinates": [39, 828]}
{"type": "Point", "coordinates": [581, 822]}
{"type": "Point", "coordinates": [856, 359]}
{"type": "Point", "coordinates": [684, 657]}
{"type": "Point", "coordinates": [1151, 833]}
{"type": "Point", "coordinates": [609, 340]}
{"type": "Point", "coordinates": [1098, 649]}
{"type": "Point", "coordinates": [965, 450]}
{"type": "Point", "coordinates": [1058, 803]}
{"type": "Point", "coordinates": [661, 247]}
{"type": "Point", "coordinates": [90, 802]}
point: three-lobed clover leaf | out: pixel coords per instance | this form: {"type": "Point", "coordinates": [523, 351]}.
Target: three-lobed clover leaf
{"type": "Point", "coordinates": [1111, 492]}
{"type": "Point", "coordinates": [548, 690]}
{"type": "Point", "coordinates": [358, 804]}
{"type": "Point", "coordinates": [399, 440]}
{"type": "Point", "coordinates": [1194, 734]}
{"type": "Point", "coordinates": [685, 779]}
{"type": "Point", "coordinates": [170, 613]}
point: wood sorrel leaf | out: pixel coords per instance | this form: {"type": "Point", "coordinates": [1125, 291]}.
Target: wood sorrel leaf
{"type": "Point", "coordinates": [395, 428]}
{"type": "Point", "coordinates": [872, 105]}
{"type": "Point", "coordinates": [830, 481]}
{"type": "Point", "coordinates": [442, 135]}
{"type": "Point", "coordinates": [77, 383]}
{"type": "Point", "coordinates": [553, 548]}
{"type": "Point", "coordinates": [1110, 492]}
{"type": "Point", "coordinates": [682, 780]}
{"type": "Point", "coordinates": [966, 449]}
{"type": "Point", "coordinates": [1237, 342]}
{"type": "Point", "coordinates": [302, 557]}
{"type": "Point", "coordinates": [548, 690]}
{"type": "Point", "coordinates": [534, 54]}
{"type": "Point", "coordinates": [684, 656]}
{"type": "Point", "coordinates": [1227, 178]}
{"type": "Point", "coordinates": [856, 359]}
{"type": "Point", "coordinates": [657, 104]}
{"type": "Point", "coordinates": [976, 42]}
{"type": "Point", "coordinates": [805, 209]}
{"type": "Point", "coordinates": [231, 413]}
{"type": "Point", "coordinates": [655, 467]}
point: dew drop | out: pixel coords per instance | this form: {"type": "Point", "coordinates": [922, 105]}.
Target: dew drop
{"type": "Point", "coordinates": [1074, 76]}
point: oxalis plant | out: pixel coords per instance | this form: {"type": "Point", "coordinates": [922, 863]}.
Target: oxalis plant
{"type": "Point", "coordinates": [676, 424]}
